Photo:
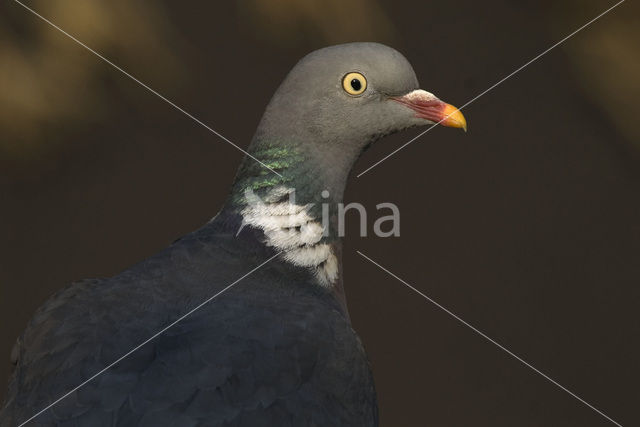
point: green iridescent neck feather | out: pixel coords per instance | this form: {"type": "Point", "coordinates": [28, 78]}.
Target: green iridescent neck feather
{"type": "Point", "coordinates": [287, 161]}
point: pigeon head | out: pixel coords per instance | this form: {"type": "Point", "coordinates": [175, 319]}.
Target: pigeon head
{"type": "Point", "coordinates": [331, 106]}
{"type": "Point", "coordinates": [351, 95]}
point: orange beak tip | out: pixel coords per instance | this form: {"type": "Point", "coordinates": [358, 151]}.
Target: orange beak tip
{"type": "Point", "coordinates": [453, 117]}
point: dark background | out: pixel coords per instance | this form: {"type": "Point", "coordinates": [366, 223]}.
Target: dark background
{"type": "Point", "coordinates": [528, 226]}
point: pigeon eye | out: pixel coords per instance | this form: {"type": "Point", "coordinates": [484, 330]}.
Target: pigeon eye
{"type": "Point", "coordinates": [354, 83]}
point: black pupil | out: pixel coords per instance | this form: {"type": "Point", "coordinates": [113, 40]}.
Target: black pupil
{"type": "Point", "coordinates": [356, 84]}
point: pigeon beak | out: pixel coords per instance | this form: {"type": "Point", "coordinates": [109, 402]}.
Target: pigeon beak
{"type": "Point", "coordinates": [428, 106]}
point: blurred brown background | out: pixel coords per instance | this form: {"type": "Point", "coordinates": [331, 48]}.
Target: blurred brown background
{"type": "Point", "coordinates": [528, 226]}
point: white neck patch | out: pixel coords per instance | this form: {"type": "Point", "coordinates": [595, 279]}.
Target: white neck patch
{"type": "Point", "coordinates": [289, 228]}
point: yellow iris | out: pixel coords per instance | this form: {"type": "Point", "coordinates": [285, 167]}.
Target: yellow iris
{"type": "Point", "coordinates": [354, 83]}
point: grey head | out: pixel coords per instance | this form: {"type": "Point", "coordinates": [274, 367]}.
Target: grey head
{"type": "Point", "coordinates": [339, 99]}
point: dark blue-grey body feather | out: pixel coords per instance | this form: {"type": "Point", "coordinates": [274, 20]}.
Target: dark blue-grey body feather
{"type": "Point", "coordinates": [267, 352]}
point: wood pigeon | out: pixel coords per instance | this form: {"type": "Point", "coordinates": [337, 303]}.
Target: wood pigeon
{"type": "Point", "coordinates": [276, 348]}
